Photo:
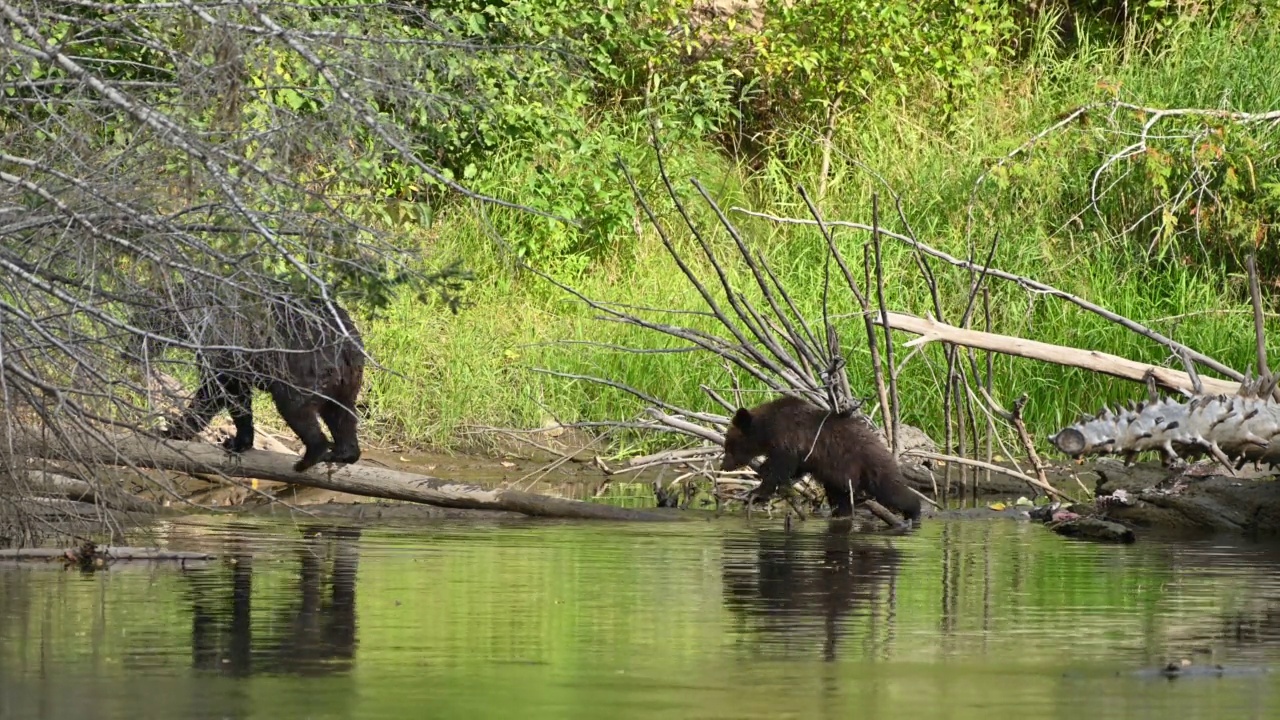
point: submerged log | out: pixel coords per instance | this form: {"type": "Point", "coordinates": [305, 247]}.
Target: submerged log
{"type": "Point", "coordinates": [1092, 528]}
{"type": "Point", "coordinates": [365, 480]}
{"type": "Point", "coordinates": [107, 553]}
{"type": "Point", "coordinates": [880, 511]}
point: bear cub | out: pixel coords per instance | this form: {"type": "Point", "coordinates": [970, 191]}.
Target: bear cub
{"type": "Point", "coordinates": [797, 438]}
{"type": "Point", "coordinates": [307, 356]}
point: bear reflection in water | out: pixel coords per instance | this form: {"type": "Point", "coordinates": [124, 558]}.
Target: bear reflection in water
{"type": "Point", "coordinates": [311, 634]}
{"type": "Point", "coordinates": [791, 590]}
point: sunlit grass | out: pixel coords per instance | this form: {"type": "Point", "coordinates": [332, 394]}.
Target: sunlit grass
{"type": "Point", "coordinates": [473, 367]}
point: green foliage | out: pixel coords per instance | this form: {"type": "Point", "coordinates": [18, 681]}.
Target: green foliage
{"type": "Point", "coordinates": [536, 101]}
{"type": "Point", "coordinates": [1040, 204]}
{"type": "Point", "coordinates": [826, 51]}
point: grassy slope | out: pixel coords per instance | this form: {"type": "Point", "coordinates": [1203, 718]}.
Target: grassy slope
{"type": "Point", "coordinates": [471, 368]}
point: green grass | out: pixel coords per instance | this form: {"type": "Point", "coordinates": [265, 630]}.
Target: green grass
{"type": "Point", "coordinates": [473, 368]}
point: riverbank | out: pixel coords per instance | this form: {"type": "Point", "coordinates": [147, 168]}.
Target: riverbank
{"type": "Point", "coordinates": [1145, 497]}
{"type": "Point", "coordinates": [451, 376]}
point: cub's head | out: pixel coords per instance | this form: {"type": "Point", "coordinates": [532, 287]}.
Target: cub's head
{"type": "Point", "coordinates": [741, 444]}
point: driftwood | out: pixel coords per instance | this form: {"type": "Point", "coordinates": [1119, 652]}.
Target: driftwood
{"type": "Point", "coordinates": [931, 330]}
{"type": "Point", "coordinates": [1237, 427]}
{"type": "Point", "coordinates": [50, 484]}
{"type": "Point", "coordinates": [365, 480]}
{"type": "Point", "coordinates": [108, 553]}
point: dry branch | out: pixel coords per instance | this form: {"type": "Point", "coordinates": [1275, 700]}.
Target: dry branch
{"type": "Point", "coordinates": [931, 330]}
{"type": "Point", "coordinates": [1033, 482]}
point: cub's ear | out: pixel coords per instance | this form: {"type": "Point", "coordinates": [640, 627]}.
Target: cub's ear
{"type": "Point", "coordinates": [742, 419]}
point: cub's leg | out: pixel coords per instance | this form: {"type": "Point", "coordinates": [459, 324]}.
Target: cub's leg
{"type": "Point", "coordinates": [240, 403]}
{"type": "Point", "coordinates": [342, 425]}
{"type": "Point", "coordinates": [840, 498]}
{"type": "Point", "coordinates": [211, 397]}
{"type": "Point", "coordinates": [299, 411]}
{"type": "Point", "coordinates": [774, 471]}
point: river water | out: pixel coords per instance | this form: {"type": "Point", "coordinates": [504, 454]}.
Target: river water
{"type": "Point", "coordinates": [718, 619]}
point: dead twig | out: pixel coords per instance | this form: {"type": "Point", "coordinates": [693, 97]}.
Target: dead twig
{"type": "Point", "coordinates": [1033, 482]}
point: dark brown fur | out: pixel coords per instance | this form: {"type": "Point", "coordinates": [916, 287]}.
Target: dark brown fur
{"type": "Point", "coordinates": [798, 438]}
{"type": "Point", "coordinates": [311, 367]}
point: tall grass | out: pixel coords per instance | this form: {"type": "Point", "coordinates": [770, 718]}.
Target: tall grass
{"type": "Point", "coordinates": [473, 368]}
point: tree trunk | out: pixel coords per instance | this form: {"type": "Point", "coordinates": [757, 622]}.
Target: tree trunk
{"type": "Point", "coordinates": [931, 330]}
{"type": "Point", "coordinates": [366, 480]}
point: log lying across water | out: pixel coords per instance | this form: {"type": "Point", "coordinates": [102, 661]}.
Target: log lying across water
{"type": "Point", "coordinates": [106, 552]}
{"type": "Point", "coordinates": [365, 480]}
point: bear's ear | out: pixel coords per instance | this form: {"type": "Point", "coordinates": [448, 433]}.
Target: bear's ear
{"type": "Point", "coordinates": [742, 419]}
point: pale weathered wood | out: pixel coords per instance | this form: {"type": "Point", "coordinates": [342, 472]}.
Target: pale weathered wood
{"type": "Point", "coordinates": [366, 480]}
{"type": "Point", "coordinates": [107, 552]}
{"type": "Point", "coordinates": [55, 485]}
{"type": "Point", "coordinates": [931, 330]}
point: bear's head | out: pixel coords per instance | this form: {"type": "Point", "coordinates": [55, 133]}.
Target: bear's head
{"type": "Point", "coordinates": [741, 445]}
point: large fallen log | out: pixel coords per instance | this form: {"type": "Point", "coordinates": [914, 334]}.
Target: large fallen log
{"type": "Point", "coordinates": [106, 552]}
{"type": "Point", "coordinates": [931, 330]}
{"type": "Point", "coordinates": [365, 480]}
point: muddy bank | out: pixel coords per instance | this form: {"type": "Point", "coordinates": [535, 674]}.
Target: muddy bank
{"type": "Point", "coordinates": [1194, 499]}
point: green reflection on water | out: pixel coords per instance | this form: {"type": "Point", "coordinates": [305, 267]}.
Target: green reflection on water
{"type": "Point", "coordinates": [710, 620]}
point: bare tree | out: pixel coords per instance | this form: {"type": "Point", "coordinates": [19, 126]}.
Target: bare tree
{"type": "Point", "coordinates": [752, 322]}
{"type": "Point", "coordinates": [221, 146]}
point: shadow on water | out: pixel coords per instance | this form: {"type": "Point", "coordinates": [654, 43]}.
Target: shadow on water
{"type": "Point", "coordinates": [789, 587]}
{"type": "Point", "coordinates": [311, 633]}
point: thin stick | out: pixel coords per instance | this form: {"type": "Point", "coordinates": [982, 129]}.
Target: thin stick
{"type": "Point", "coordinates": [1014, 418]}
{"type": "Point", "coordinates": [1021, 427]}
{"type": "Point", "coordinates": [762, 280]}
{"type": "Point", "coordinates": [868, 324]}
{"type": "Point", "coordinates": [877, 370]}
{"type": "Point", "coordinates": [1034, 482]}
{"type": "Point", "coordinates": [991, 425]}
{"type": "Point", "coordinates": [957, 382]}
{"type": "Point", "coordinates": [1259, 320]}
{"type": "Point", "coordinates": [895, 433]}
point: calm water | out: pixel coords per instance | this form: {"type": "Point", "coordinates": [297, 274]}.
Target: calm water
{"type": "Point", "coordinates": [704, 620]}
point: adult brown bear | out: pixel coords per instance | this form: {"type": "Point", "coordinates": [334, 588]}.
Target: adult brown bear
{"type": "Point", "coordinates": [305, 352]}
{"type": "Point", "coordinates": [798, 438]}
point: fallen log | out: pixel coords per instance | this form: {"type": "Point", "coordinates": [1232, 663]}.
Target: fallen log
{"type": "Point", "coordinates": [365, 480]}
{"type": "Point", "coordinates": [108, 553]}
{"type": "Point", "coordinates": [55, 485]}
{"type": "Point", "coordinates": [931, 330]}
{"type": "Point", "coordinates": [1092, 528]}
